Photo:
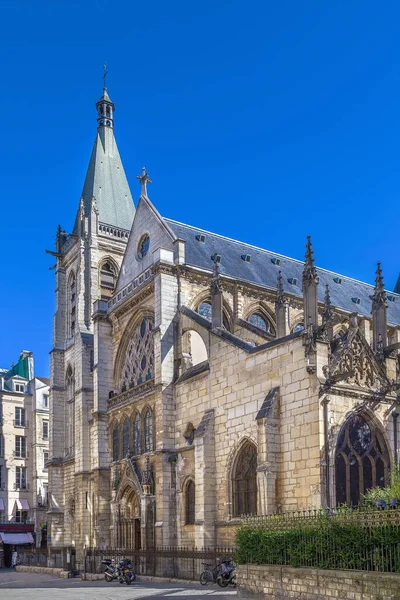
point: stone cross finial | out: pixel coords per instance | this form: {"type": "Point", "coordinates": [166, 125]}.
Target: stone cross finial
{"type": "Point", "coordinates": [144, 179]}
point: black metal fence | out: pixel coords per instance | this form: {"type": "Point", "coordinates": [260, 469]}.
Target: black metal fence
{"type": "Point", "coordinates": [182, 563]}
{"type": "Point", "coordinates": [362, 538]}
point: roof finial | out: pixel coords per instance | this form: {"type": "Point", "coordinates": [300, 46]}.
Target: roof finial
{"type": "Point", "coordinates": [310, 272]}
{"type": "Point", "coordinates": [144, 179]}
{"type": "Point", "coordinates": [379, 297]}
{"type": "Point", "coordinates": [327, 313]}
{"type": "Point", "coordinates": [105, 75]}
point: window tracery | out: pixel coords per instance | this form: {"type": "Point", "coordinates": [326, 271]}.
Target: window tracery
{"type": "Point", "coordinates": [205, 310]}
{"type": "Point", "coordinates": [136, 435]}
{"type": "Point", "coordinates": [71, 300]}
{"type": "Point", "coordinates": [190, 503]}
{"type": "Point", "coordinates": [125, 437]}
{"type": "Point", "coordinates": [139, 358]}
{"type": "Point", "coordinates": [115, 442]}
{"type": "Point", "coordinates": [148, 430]}
{"type": "Point", "coordinates": [361, 461]}
{"type": "Point", "coordinates": [244, 481]}
{"type": "Point", "coordinates": [259, 321]}
{"type": "Point", "coordinates": [69, 413]}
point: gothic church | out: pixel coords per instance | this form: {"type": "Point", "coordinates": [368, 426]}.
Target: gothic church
{"type": "Point", "coordinates": [195, 378]}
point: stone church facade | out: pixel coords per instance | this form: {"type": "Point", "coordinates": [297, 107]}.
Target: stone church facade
{"type": "Point", "coordinates": [195, 378]}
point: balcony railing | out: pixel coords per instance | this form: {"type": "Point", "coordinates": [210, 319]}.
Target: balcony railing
{"type": "Point", "coordinates": [13, 521]}
{"type": "Point", "coordinates": [21, 486]}
{"type": "Point", "coordinates": [20, 423]}
{"type": "Point", "coordinates": [20, 454]}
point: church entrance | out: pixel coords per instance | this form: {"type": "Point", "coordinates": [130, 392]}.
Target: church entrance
{"type": "Point", "coordinates": [128, 525]}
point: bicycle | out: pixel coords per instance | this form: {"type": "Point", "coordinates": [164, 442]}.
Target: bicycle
{"type": "Point", "coordinates": [210, 573]}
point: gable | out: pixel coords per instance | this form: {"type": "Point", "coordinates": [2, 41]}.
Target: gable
{"type": "Point", "coordinates": [147, 221]}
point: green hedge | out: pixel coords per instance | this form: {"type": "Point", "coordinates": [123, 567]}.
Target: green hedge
{"type": "Point", "coordinates": [327, 543]}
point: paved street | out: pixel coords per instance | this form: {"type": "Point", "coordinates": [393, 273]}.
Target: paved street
{"type": "Point", "coordinates": [34, 586]}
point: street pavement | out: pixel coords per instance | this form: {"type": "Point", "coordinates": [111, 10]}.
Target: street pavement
{"type": "Point", "coordinates": [36, 586]}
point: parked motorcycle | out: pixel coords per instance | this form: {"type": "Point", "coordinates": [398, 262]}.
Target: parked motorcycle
{"type": "Point", "coordinates": [124, 571]}
{"type": "Point", "coordinates": [227, 574]}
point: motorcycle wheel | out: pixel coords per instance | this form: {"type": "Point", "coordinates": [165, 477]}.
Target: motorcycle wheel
{"type": "Point", "coordinates": [133, 576]}
{"type": "Point", "coordinates": [203, 578]}
{"type": "Point", "coordinates": [108, 577]}
{"type": "Point", "coordinates": [121, 580]}
{"type": "Point", "coordinates": [222, 582]}
{"type": "Point", "coordinates": [128, 579]}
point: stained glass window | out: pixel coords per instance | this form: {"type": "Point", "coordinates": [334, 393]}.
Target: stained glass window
{"type": "Point", "coordinates": [148, 430]}
{"type": "Point", "coordinates": [144, 246]}
{"type": "Point", "coordinates": [136, 435]}
{"type": "Point", "coordinates": [361, 461]}
{"type": "Point", "coordinates": [298, 327]}
{"type": "Point", "coordinates": [244, 482]}
{"type": "Point", "coordinates": [190, 503]}
{"type": "Point", "coordinates": [115, 443]}
{"type": "Point", "coordinates": [258, 321]}
{"type": "Point", "coordinates": [125, 438]}
{"type": "Point", "coordinates": [205, 310]}
{"type": "Point", "coordinates": [139, 359]}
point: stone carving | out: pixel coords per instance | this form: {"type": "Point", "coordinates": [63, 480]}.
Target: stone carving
{"type": "Point", "coordinates": [139, 358]}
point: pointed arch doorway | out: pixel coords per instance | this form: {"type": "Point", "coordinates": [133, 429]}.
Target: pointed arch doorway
{"type": "Point", "coordinates": [129, 521]}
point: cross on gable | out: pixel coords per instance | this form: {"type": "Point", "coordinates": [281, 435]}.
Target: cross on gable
{"type": "Point", "coordinates": [144, 179]}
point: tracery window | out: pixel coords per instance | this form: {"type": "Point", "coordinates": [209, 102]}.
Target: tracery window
{"type": "Point", "coordinates": [205, 310]}
{"type": "Point", "coordinates": [148, 430]}
{"type": "Point", "coordinates": [144, 245]}
{"type": "Point", "coordinates": [244, 481]}
{"type": "Point", "coordinates": [298, 327]}
{"type": "Point", "coordinates": [115, 442]}
{"type": "Point", "coordinates": [71, 301]}
{"type": "Point", "coordinates": [259, 321]}
{"type": "Point", "coordinates": [125, 438]}
{"type": "Point", "coordinates": [108, 277]}
{"type": "Point", "coordinates": [361, 461]}
{"type": "Point", "coordinates": [69, 413]}
{"type": "Point", "coordinates": [190, 503]}
{"type": "Point", "coordinates": [136, 435]}
{"type": "Point", "coordinates": [139, 359]}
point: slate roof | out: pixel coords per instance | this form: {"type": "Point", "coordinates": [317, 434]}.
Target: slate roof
{"type": "Point", "coordinates": [107, 182]}
{"type": "Point", "coordinates": [262, 271]}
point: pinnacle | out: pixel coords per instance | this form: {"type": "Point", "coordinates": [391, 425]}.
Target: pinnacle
{"type": "Point", "coordinates": [310, 272]}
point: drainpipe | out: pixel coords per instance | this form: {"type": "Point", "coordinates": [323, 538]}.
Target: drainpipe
{"type": "Point", "coordinates": [395, 415]}
{"type": "Point", "coordinates": [325, 403]}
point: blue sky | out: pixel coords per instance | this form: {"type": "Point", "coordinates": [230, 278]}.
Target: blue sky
{"type": "Point", "coordinates": [263, 121]}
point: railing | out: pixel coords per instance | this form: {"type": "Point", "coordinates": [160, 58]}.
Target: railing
{"type": "Point", "coordinates": [117, 232]}
{"type": "Point", "coordinates": [20, 423]}
{"type": "Point", "coordinates": [184, 563]}
{"type": "Point", "coordinates": [362, 538]}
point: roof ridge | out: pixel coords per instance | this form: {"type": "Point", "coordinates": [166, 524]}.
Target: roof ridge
{"type": "Point", "coordinates": [224, 237]}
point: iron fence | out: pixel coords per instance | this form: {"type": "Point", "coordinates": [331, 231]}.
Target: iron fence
{"type": "Point", "coordinates": [182, 563]}
{"type": "Point", "coordinates": [362, 538]}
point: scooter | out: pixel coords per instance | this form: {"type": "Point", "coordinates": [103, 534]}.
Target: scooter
{"type": "Point", "coordinates": [123, 571]}
{"type": "Point", "coordinates": [227, 574]}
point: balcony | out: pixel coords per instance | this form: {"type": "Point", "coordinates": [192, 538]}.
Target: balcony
{"type": "Point", "coordinates": [20, 454]}
{"type": "Point", "coordinates": [20, 423]}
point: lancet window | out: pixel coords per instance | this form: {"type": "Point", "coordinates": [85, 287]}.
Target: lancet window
{"type": "Point", "coordinates": [71, 303]}
{"type": "Point", "coordinates": [205, 310]}
{"type": "Point", "coordinates": [148, 430]}
{"type": "Point", "coordinates": [125, 437]}
{"type": "Point", "coordinates": [139, 359]}
{"type": "Point", "coordinates": [136, 435]}
{"type": "Point", "coordinates": [190, 503]}
{"type": "Point", "coordinates": [115, 442]}
{"type": "Point", "coordinates": [244, 481]}
{"type": "Point", "coordinates": [361, 461]}
{"type": "Point", "coordinates": [259, 321]}
{"type": "Point", "coordinates": [108, 277]}
{"type": "Point", "coordinates": [69, 413]}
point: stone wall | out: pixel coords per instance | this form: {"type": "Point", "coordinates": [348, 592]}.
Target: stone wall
{"type": "Point", "coordinates": [281, 583]}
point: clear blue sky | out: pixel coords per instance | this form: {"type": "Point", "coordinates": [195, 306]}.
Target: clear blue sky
{"type": "Point", "coordinates": [263, 121]}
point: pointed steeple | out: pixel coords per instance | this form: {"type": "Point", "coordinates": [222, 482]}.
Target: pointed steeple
{"type": "Point", "coordinates": [310, 288]}
{"type": "Point", "coordinates": [105, 178]}
{"type": "Point", "coordinates": [379, 313]}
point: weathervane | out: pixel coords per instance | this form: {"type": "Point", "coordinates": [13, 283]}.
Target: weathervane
{"type": "Point", "coordinates": [105, 75]}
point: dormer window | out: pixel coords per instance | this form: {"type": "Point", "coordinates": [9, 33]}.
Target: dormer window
{"type": "Point", "coordinates": [292, 280]}
{"type": "Point", "coordinates": [276, 261]}
{"type": "Point", "coordinates": [337, 280]}
{"type": "Point", "coordinates": [19, 387]}
{"type": "Point", "coordinates": [356, 300]}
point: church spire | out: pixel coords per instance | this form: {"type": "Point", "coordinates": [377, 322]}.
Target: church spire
{"type": "Point", "coordinates": [310, 288]}
{"type": "Point", "coordinates": [379, 313]}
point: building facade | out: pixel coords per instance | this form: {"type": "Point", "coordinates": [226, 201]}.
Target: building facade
{"type": "Point", "coordinates": [195, 378]}
{"type": "Point", "coordinates": [23, 476]}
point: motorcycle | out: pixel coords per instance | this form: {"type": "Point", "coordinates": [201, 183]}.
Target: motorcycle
{"type": "Point", "coordinates": [123, 571]}
{"type": "Point", "coordinates": [227, 574]}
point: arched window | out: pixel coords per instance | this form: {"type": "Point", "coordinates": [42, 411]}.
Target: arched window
{"type": "Point", "coordinates": [136, 435]}
{"type": "Point", "coordinates": [139, 358]}
{"type": "Point", "coordinates": [298, 327]}
{"type": "Point", "coordinates": [108, 278]}
{"type": "Point", "coordinates": [148, 430]}
{"type": "Point", "coordinates": [71, 303]}
{"type": "Point", "coordinates": [125, 438]}
{"type": "Point", "coordinates": [205, 310]}
{"type": "Point", "coordinates": [190, 503]}
{"type": "Point", "coordinates": [115, 442]}
{"type": "Point", "coordinates": [244, 481]}
{"type": "Point", "coordinates": [69, 413]}
{"type": "Point", "coordinates": [361, 461]}
{"type": "Point", "coordinates": [259, 321]}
